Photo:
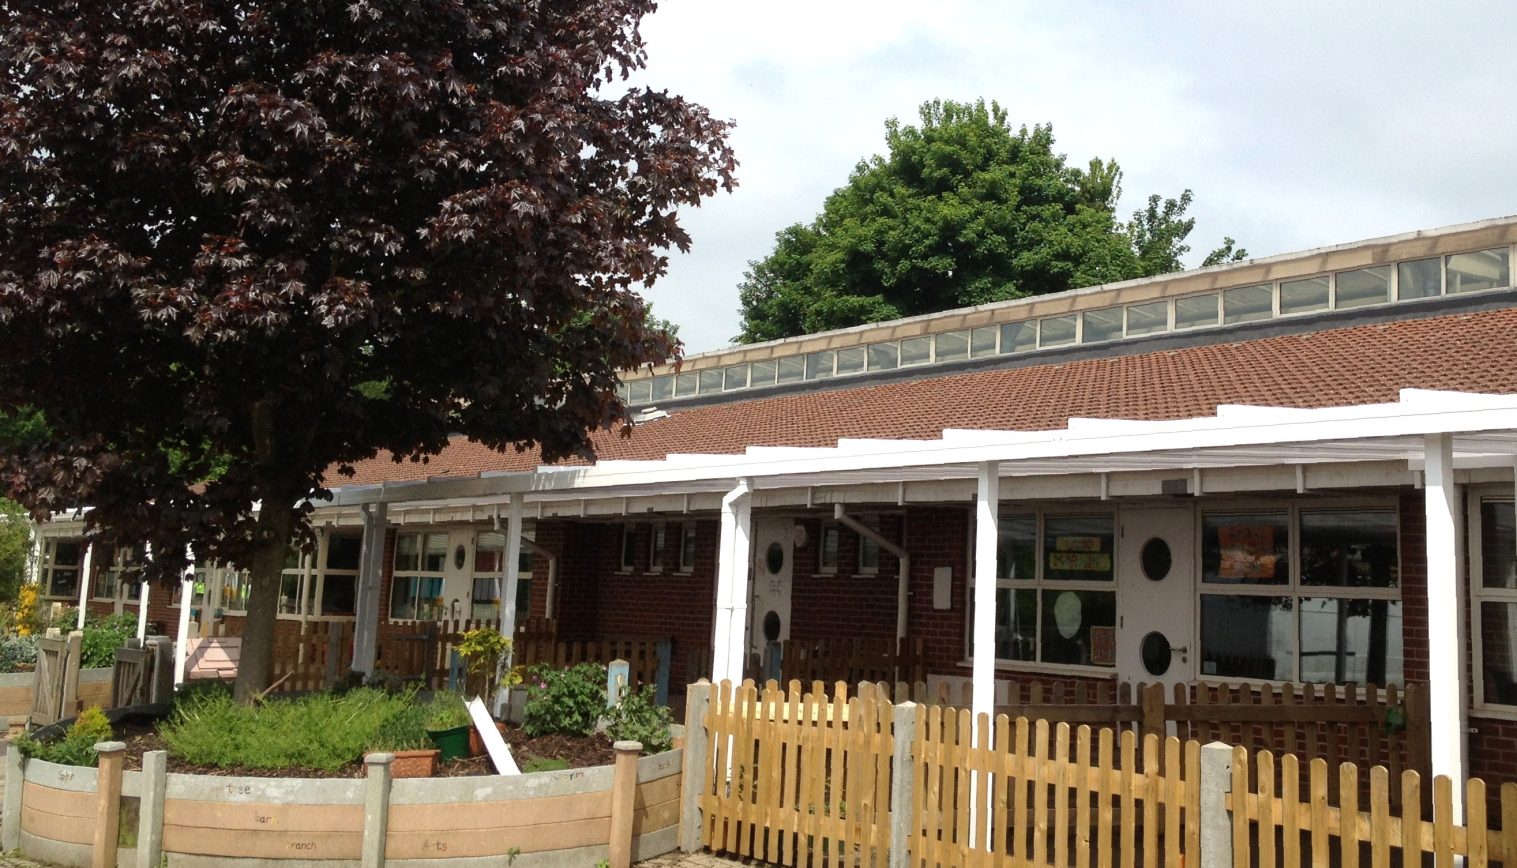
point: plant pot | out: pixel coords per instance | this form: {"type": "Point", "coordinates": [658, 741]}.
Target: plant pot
{"type": "Point", "coordinates": [414, 763]}
{"type": "Point", "coordinates": [453, 743]}
{"type": "Point", "coordinates": [477, 744]}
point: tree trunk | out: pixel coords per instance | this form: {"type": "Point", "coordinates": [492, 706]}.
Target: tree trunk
{"type": "Point", "coordinates": [255, 668]}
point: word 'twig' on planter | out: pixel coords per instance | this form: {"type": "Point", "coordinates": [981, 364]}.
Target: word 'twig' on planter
{"type": "Point", "coordinates": [575, 817]}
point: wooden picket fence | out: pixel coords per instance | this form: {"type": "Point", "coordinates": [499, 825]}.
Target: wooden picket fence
{"type": "Point", "coordinates": [799, 777]}
{"type": "Point", "coordinates": [851, 661]}
{"type": "Point", "coordinates": [1273, 824]}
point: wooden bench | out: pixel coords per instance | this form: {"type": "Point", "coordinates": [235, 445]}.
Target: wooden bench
{"type": "Point", "coordinates": [214, 657]}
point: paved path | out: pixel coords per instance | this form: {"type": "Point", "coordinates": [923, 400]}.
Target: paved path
{"type": "Point", "coordinates": [688, 860]}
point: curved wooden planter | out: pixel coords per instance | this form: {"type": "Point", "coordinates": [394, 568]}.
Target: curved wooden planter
{"type": "Point", "coordinates": [558, 818]}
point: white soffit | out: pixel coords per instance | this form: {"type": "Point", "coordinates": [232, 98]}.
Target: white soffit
{"type": "Point", "coordinates": [1237, 436]}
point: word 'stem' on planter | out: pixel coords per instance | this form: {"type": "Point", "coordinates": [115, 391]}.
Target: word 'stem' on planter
{"type": "Point", "coordinates": [557, 818]}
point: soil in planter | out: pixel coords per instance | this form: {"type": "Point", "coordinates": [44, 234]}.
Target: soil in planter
{"type": "Point", "coordinates": [594, 750]}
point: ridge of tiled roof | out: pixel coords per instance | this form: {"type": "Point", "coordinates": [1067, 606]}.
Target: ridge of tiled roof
{"type": "Point", "coordinates": [1362, 364]}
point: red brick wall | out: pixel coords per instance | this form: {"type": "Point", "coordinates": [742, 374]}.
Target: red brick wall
{"type": "Point", "coordinates": [938, 536]}
{"type": "Point", "coordinates": [845, 602]}
{"type": "Point", "coordinates": [1413, 565]}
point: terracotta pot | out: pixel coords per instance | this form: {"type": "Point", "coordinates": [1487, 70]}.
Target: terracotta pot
{"type": "Point", "coordinates": [414, 763]}
{"type": "Point", "coordinates": [477, 744]}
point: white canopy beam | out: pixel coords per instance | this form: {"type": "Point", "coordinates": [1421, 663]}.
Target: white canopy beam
{"type": "Point", "coordinates": [1447, 684]}
{"type": "Point", "coordinates": [986, 532]}
{"type": "Point", "coordinates": [85, 566]}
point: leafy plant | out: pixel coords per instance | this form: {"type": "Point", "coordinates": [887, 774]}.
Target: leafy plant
{"type": "Point", "coordinates": [26, 611]}
{"type": "Point", "coordinates": [405, 729]}
{"type": "Point", "coordinates": [564, 701]}
{"type": "Point", "coordinates": [447, 710]}
{"type": "Point", "coordinates": [320, 731]}
{"type": "Point", "coordinates": [637, 717]}
{"type": "Point", "coordinates": [18, 653]}
{"type": "Point", "coordinates": [544, 764]}
{"type": "Point", "coordinates": [77, 746]}
{"type": "Point", "coordinates": [102, 638]}
{"type": "Point", "coordinates": [484, 651]}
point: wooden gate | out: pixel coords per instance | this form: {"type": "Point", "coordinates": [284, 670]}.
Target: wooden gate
{"type": "Point", "coordinates": [55, 685]}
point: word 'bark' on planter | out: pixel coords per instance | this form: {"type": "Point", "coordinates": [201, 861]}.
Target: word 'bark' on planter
{"type": "Point", "coordinates": [621, 813]}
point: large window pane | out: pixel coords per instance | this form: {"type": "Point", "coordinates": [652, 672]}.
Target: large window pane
{"type": "Point", "coordinates": [1247, 303]}
{"type": "Point", "coordinates": [916, 351]}
{"type": "Point", "coordinates": [339, 595]}
{"type": "Point", "coordinates": [1365, 286]}
{"type": "Point", "coordinates": [1079, 627]}
{"type": "Point", "coordinates": [1419, 279]}
{"type": "Point", "coordinates": [1498, 651]}
{"type": "Point", "coordinates": [1349, 549]}
{"type": "Point", "coordinates": [1016, 624]}
{"type": "Point", "coordinates": [343, 551]}
{"type": "Point", "coordinates": [952, 346]}
{"type": "Point", "coordinates": [1102, 325]}
{"type": "Point", "coordinates": [1247, 637]}
{"type": "Point", "coordinates": [792, 369]}
{"type": "Point", "coordinates": [1147, 319]}
{"type": "Point", "coordinates": [1017, 547]}
{"type": "Point", "coordinates": [1304, 296]}
{"type": "Point", "coordinates": [1248, 549]}
{"type": "Point", "coordinates": [663, 388]}
{"type": "Point", "coordinates": [735, 377]}
{"type": "Point", "coordinates": [407, 553]}
{"type": "Point", "coordinates": [1077, 547]}
{"type": "Point", "coordinates": [640, 392]}
{"type": "Point", "coordinates": [763, 373]}
{"type": "Point", "coordinates": [1498, 542]}
{"type": "Point", "coordinates": [1345, 641]}
{"type": "Point", "coordinates": [884, 357]}
{"type": "Point", "coordinates": [711, 381]}
{"type": "Point", "coordinates": [982, 342]}
{"type": "Point", "coordinates": [436, 554]}
{"type": "Point", "coordinates": [1018, 337]}
{"type": "Point", "coordinates": [851, 360]}
{"type": "Point", "coordinates": [686, 384]}
{"type": "Point", "coordinates": [1056, 331]}
{"type": "Point", "coordinates": [1483, 269]}
{"type": "Point", "coordinates": [289, 594]}
{"type": "Point", "coordinates": [819, 365]}
{"type": "Point", "coordinates": [1194, 311]}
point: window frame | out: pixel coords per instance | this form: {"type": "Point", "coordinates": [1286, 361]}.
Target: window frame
{"type": "Point", "coordinates": [861, 565]}
{"type": "Point", "coordinates": [125, 560]}
{"type": "Point", "coordinates": [421, 572]}
{"type": "Point", "coordinates": [835, 530]}
{"type": "Point", "coordinates": [1293, 588]}
{"type": "Point", "coordinates": [628, 556]}
{"type": "Point", "coordinates": [1475, 496]}
{"type": "Point", "coordinates": [658, 537]}
{"type": "Point", "coordinates": [48, 565]}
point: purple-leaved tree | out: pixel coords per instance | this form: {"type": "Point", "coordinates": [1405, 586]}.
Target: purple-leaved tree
{"type": "Point", "coordinates": [244, 243]}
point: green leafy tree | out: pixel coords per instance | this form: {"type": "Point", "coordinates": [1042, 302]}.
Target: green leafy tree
{"type": "Point", "coordinates": [963, 209]}
{"type": "Point", "coordinates": [15, 540]}
{"type": "Point", "coordinates": [245, 245]}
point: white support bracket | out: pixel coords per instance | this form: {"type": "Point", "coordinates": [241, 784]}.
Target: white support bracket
{"type": "Point", "coordinates": [903, 561]}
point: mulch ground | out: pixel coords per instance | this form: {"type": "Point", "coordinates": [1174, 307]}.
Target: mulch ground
{"type": "Point", "coordinates": [577, 752]}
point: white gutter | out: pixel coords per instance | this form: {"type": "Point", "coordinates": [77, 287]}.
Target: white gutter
{"type": "Point", "coordinates": [903, 561]}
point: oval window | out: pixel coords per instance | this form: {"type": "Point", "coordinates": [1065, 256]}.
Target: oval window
{"type": "Point", "coordinates": [774, 558]}
{"type": "Point", "coordinates": [1156, 653]}
{"type": "Point", "coordinates": [772, 627]}
{"type": "Point", "coordinates": [1156, 559]}
{"type": "Point", "coordinates": [459, 556]}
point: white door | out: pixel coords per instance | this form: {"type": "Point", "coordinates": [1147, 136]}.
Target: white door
{"type": "Point", "coordinates": [769, 611]}
{"type": "Point", "coordinates": [1156, 590]}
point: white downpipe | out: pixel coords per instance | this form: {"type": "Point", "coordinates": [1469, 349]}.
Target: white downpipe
{"type": "Point", "coordinates": [729, 628]}
{"type": "Point", "coordinates": [903, 562]}
{"type": "Point", "coordinates": [552, 559]}
{"type": "Point", "coordinates": [1445, 601]}
{"type": "Point", "coordinates": [142, 611]}
{"type": "Point", "coordinates": [84, 582]}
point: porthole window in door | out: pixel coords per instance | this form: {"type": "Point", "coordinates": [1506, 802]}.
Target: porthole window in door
{"type": "Point", "coordinates": [1156, 653]}
{"type": "Point", "coordinates": [774, 558]}
{"type": "Point", "coordinates": [1156, 559]}
{"type": "Point", "coordinates": [772, 627]}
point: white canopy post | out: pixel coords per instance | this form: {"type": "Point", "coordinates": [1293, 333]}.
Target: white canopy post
{"type": "Point", "coordinates": [513, 568]}
{"type": "Point", "coordinates": [182, 637]}
{"type": "Point", "coordinates": [986, 532]}
{"type": "Point", "coordinates": [142, 591]}
{"type": "Point", "coordinates": [729, 630]}
{"type": "Point", "coordinates": [84, 581]}
{"type": "Point", "coordinates": [366, 609]}
{"type": "Point", "coordinates": [1447, 685]}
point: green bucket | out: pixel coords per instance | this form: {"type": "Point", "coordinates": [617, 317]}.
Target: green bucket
{"type": "Point", "coordinates": [453, 743]}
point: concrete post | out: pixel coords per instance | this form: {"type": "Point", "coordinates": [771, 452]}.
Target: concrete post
{"type": "Point", "coordinates": [366, 608]}
{"type": "Point", "coordinates": [376, 808]}
{"type": "Point", "coordinates": [697, 774]}
{"type": "Point", "coordinates": [107, 804]}
{"type": "Point", "coordinates": [623, 802]}
{"type": "Point", "coordinates": [1216, 821]}
{"type": "Point", "coordinates": [903, 771]}
{"type": "Point", "coordinates": [155, 780]}
{"type": "Point", "coordinates": [10, 821]}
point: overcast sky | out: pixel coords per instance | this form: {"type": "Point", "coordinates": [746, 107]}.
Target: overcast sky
{"type": "Point", "coordinates": [1297, 124]}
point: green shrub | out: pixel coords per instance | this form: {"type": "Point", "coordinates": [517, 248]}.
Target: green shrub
{"type": "Point", "coordinates": [102, 638]}
{"type": "Point", "coordinates": [564, 701]}
{"type": "Point", "coordinates": [77, 746]}
{"type": "Point", "coordinates": [18, 653]}
{"type": "Point", "coordinates": [447, 710]}
{"type": "Point", "coordinates": [320, 731]}
{"type": "Point", "coordinates": [638, 718]}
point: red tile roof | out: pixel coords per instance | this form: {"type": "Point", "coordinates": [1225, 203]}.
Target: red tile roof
{"type": "Point", "coordinates": [1354, 365]}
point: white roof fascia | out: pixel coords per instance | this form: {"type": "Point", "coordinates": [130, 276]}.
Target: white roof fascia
{"type": "Point", "coordinates": [1368, 425]}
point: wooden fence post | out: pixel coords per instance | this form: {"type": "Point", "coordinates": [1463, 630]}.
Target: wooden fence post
{"type": "Point", "coordinates": [1152, 699]}
{"type": "Point", "coordinates": [623, 802]}
{"type": "Point", "coordinates": [665, 655]}
{"type": "Point", "coordinates": [70, 706]}
{"type": "Point", "coordinates": [376, 808]}
{"type": "Point", "coordinates": [107, 804]}
{"type": "Point", "coordinates": [155, 779]}
{"type": "Point", "coordinates": [1216, 821]}
{"type": "Point", "coordinates": [903, 819]}
{"type": "Point", "coordinates": [15, 774]}
{"type": "Point", "coordinates": [697, 773]}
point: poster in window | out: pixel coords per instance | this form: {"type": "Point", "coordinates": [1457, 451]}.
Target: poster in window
{"type": "Point", "coordinates": [1247, 551]}
{"type": "Point", "coordinates": [1103, 646]}
{"type": "Point", "coordinates": [1079, 553]}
